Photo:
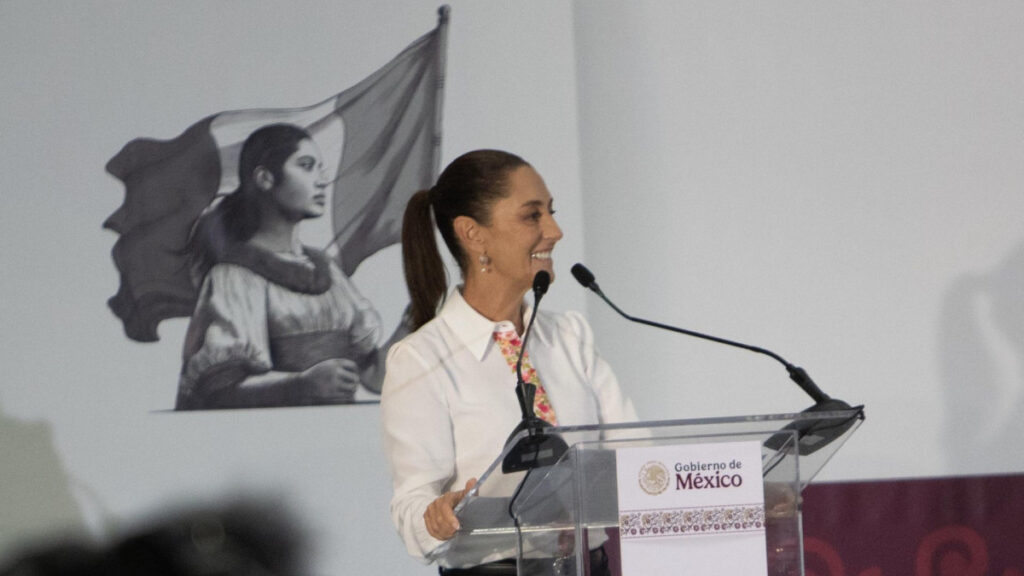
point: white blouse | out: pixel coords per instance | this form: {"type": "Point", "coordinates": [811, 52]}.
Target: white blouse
{"type": "Point", "coordinates": [449, 402]}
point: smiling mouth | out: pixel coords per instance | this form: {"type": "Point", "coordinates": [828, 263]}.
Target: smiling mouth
{"type": "Point", "coordinates": [541, 256]}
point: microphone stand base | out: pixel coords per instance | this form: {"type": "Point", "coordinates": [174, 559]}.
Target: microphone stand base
{"type": "Point", "coordinates": [539, 448]}
{"type": "Point", "coordinates": [812, 435]}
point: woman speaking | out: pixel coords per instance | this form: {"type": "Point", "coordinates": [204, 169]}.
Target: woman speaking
{"type": "Point", "coordinates": [448, 403]}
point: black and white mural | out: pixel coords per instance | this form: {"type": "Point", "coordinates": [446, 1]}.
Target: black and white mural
{"type": "Point", "coordinates": [209, 229]}
{"type": "Point", "coordinates": [139, 280]}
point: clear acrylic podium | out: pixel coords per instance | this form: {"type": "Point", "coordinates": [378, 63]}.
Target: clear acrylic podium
{"type": "Point", "coordinates": [549, 518]}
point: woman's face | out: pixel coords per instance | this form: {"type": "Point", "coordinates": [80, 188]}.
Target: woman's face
{"type": "Point", "coordinates": [302, 191]}
{"type": "Point", "coordinates": [522, 231]}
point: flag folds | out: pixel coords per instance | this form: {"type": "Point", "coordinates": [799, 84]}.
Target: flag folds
{"type": "Point", "coordinates": [380, 138]}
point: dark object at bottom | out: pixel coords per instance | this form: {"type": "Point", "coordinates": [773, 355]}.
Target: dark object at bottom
{"type": "Point", "coordinates": [539, 567]}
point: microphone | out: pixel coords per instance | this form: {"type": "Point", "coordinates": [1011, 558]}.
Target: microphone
{"type": "Point", "coordinates": [537, 448]}
{"type": "Point", "coordinates": [540, 287]}
{"type": "Point", "coordinates": [822, 402]}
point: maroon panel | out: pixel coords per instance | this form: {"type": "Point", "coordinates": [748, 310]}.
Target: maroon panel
{"type": "Point", "coordinates": [968, 526]}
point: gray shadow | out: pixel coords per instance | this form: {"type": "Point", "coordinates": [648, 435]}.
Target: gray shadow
{"type": "Point", "coordinates": [36, 500]}
{"type": "Point", "coordinates": [981, 355]}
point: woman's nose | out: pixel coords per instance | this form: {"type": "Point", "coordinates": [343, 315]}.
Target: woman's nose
{"type": "Point", "coordinates": [552, 230]}
{"type": "Point", "coordinates": [324, 180]}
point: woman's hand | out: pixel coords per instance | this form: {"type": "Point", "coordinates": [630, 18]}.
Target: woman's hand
{"type": "Point", "coordinates": [332, 381]}
{"type": "Point", "coordinates": [780, 501]}
{"type": "Point", "coordinates": [440, 515]}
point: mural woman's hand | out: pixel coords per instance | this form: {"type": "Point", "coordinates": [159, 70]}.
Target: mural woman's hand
{"type": "Point", "coordinates": [440, 515]}
{"type": "Point", "coordinates": [332, 381]}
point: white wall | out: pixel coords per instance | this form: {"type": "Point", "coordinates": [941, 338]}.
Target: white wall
{"type": "Point", "coordinates": [840, 182]}
{"type": "Point", "coordinates": [80, 79]}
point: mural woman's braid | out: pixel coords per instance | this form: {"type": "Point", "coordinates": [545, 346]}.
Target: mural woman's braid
{"type": "Point", "coordinates": [469, 186]}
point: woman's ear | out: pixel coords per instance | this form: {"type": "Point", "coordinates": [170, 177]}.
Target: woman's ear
{"type": "Point", "coordinates": [470, 234]}
{"type": "Point", "coordinates": [263, 178]}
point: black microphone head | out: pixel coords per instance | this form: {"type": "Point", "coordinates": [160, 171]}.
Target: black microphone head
{"type": "Point", "coordinates": [541, 282]}
{"type": "Point", "coordinates": [582, 275]}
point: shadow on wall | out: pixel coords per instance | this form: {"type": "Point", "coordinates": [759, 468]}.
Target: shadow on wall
{"type": "Point", "coordinates": [43, 531]}
{"type": "Point", "coordinates": [35, 492]}
{"type": "Point", "coordinates": [981, 349]}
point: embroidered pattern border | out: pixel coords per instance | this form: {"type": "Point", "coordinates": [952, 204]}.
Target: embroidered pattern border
{"type": "Point", "coordinates": [691, 521]}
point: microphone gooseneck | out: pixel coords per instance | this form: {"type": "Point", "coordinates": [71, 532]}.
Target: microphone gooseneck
{"type": "Point", "coordinates": [797, 374]}
{"type": "Point", "coordinates": [541, 281]}
{"type": "Point", "coordinates": [537, 448]}
{"type": "Point", "coordinates": [812, 435]}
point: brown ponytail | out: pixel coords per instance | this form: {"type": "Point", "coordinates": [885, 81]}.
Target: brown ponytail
{"type": "Point", "coordinates": [469, 186]}
{"type": "Point", "coordinates": [424, 270]}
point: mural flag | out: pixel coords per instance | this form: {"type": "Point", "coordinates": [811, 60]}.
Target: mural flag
{"type": "Point", "coordinates": [380, 139]}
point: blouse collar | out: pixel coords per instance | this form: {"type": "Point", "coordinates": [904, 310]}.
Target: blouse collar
{"type": "Point", "coordinates": [476, 331]}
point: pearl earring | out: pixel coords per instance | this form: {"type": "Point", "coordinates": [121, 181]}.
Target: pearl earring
{"type": "Point", "coordinates": [484, 261]}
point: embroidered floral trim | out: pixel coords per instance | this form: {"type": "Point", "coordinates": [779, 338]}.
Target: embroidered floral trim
{"type": "Point", "coordinates": [691, 521]}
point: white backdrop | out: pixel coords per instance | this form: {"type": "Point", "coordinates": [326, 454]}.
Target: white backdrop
{"type": "Point", "coordinates": [840, 183]}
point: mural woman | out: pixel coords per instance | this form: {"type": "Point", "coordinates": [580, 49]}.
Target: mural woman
{"type": "Point", "coordinates": [277, 323]}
